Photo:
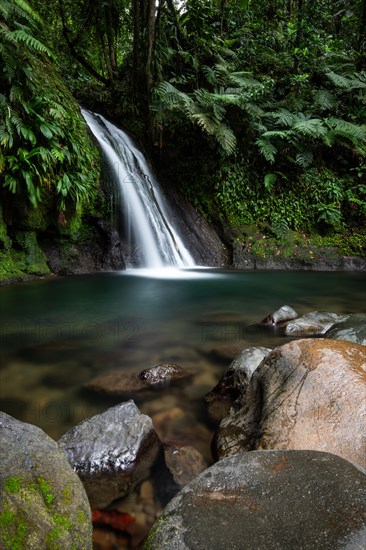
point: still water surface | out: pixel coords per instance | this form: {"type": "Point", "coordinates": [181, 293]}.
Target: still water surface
{"type": "Point", "coordinates": [58, 334]}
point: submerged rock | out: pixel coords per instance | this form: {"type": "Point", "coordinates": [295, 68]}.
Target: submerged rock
{"type": "Point", "coordinates": [119, 383]}
{"type": "Point", "coordinates": [235, 381]}
{"type": "Point", "coordinates": [285, 313]}
{"type": "Point", "coordinates": [112, 452]}
{"type": "Point", "coordinates": [42, 501]}
{"type": "Point", "coordinates": [138, 384]}
{"type": "Point", "coordinates": [185, 463]}
{"type": "Point", "coordinates": [308, 394]}
{"type": "Point", "coordinates": [262, 500]}
{"type": "Point", "coordinates": [352, 328]}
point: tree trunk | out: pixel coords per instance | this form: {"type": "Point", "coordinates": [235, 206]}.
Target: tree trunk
{"type": "Point", "coordinates": [361, 62]}
{"type": "Point", "coordinates": [150, 27]}
{"type": "Point", "coordinates": [136, 15]}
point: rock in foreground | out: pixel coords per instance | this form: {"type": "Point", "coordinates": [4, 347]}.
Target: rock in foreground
{"type": "Point", "coordinates": [267, 500]}
{"type": "Point", "coordinates": [235, 381]}
{"type": "Point", "coordinates": [308, 394]}
{"type": "Point", "coordinates": [352, 328]}
{"type": "Point", "coordinates": [112, 452]}
{"type": "Point", "coordinates": [42, 501]}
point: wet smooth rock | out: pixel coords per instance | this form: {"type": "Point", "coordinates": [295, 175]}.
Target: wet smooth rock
{"type": "Point", "coordinates": [164, 374]}
{"type": "Point", "coordinates": [352, 328]}
{"type": "Point", "coordinates": [267, 500]}
{"type": "Point", "coordinates": [112, 452]}
{"type": "Point", "coordinates": [284, 313]}
{"type": "Point", "coordinates": [235, 381]}
{"type": "Point", "coordinates": [308, 394]}
{"type": "Point", "coordinates": [43, 504]}
{"type": "Point", "coordinates": [311, 324]}
{"type": "Point", "coordinates": [185, 463]}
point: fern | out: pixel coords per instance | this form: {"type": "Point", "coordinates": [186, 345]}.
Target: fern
{"type": "Point", "coordinates": [226, 138]}
{"type": "Point", "coordinates": [269, 181]}
{"type": "Point", "coordinates": [283, 117]}
{"type": "Point", "coordinates": [312, 127]}
{"type": "Point", "coordinates": [29, 40]}
{"type": "Point", "coordinates": [305, 159]}
{"type": "Point", "coordinates": [267, 149]}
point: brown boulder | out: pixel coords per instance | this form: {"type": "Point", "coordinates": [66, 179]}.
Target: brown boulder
{"type": "Point", "coordinates": [308, 394]}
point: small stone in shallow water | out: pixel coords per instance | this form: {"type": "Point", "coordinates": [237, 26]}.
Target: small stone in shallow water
{"type": "Point", "coordinates": [164, 373]}
{"type": "Point", "coordinates": [185, 463]}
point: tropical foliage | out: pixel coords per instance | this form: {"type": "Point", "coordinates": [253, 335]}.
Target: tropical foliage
{"type": "Point", "coordinates": [256, 110]}
{"type": "Point", "coordinates": [44, 146]}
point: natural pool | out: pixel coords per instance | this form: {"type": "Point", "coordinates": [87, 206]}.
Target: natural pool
{"type": "Point", "coordinates": [57, 334]}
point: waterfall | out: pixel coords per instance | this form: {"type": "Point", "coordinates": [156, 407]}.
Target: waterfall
{"type": "Point", "coordinates": [146, 213]}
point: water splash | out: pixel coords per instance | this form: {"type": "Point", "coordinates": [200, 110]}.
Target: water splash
{"type": "Point", "coordinates": [146, 214]}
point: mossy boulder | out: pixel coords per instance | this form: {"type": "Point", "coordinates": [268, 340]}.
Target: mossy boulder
{"type": "Point", "coordinates": [42, 501]}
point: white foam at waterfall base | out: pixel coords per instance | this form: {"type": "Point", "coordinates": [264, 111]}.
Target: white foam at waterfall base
{"type": "Point", "coordinates": [146, 213]}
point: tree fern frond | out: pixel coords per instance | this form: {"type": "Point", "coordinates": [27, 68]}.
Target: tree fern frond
{"type": "Point", "coordinates": [283, 134]}
{"type": "Point", "coordinates": [354, 132]}
{"type": "Point", "coordinates": [283, 117]}
{"type": "Point", "coordinates": [29, 40]}
{"type": "Point", "coordinates": [345, 82]}
{"type": "Point", "coordinates": [267, 149]}
{"type": "Point", "coordinates": [205, 122]}
{"type": "Point", "coordinates": [325, 100]}
{"type": "Point", "coordinates": [269, 181]}
{"type": "Point", "coordinates": [304, 159]}
{"type": "Point", "coordinates": [226, 138]}
{"type": "Point", "coordinates": [26, 8]}
{"type": "Point", "coordinates": [313, 127]}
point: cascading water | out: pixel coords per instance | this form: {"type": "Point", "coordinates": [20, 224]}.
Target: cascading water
{"type": "Point", "coordinates": [146, 213]}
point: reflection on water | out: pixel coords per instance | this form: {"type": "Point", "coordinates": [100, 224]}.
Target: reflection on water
{"type": "Point", "coordinates": [58, 334]}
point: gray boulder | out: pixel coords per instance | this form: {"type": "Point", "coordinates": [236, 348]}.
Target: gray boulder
{"type": "Point", "coordinates": [42, 501]}
{"type": "Point", "coordinates": [112, 452]}
{"type": "Point", "coordinates": [308, 394]}
{"type": "Point", "coordinates": [315, 323]}
{"type": "Point", "coordinates": [267, 499]}
{"type": "Point", "coordinates": [235, 381]}
{"type": "Point", "coordinates": [352, 328]}
{"type": "Point", "coordinates": [285, 313]}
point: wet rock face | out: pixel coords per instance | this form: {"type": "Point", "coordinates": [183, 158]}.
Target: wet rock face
{"type": "Point", "coordinates": [308, 394]}
{"type": "Point", "coordinates": [285, 313]}
{"type": "Point", "coordinates": [111, 452]}
{"type": "Point", "coordinates": [352, 328]}
{"type": "Point", "coordinates": [261, 500]}
{"type": "Point", "coordinates": [42, 501]}
{"type": "Point", "coordinates": [235, 381]}
{"type": "Point", "coordinates": [311, 324]}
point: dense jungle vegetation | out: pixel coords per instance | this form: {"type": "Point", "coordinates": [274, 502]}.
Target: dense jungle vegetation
{"type": "Point", "coordinates": [255, 111]}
